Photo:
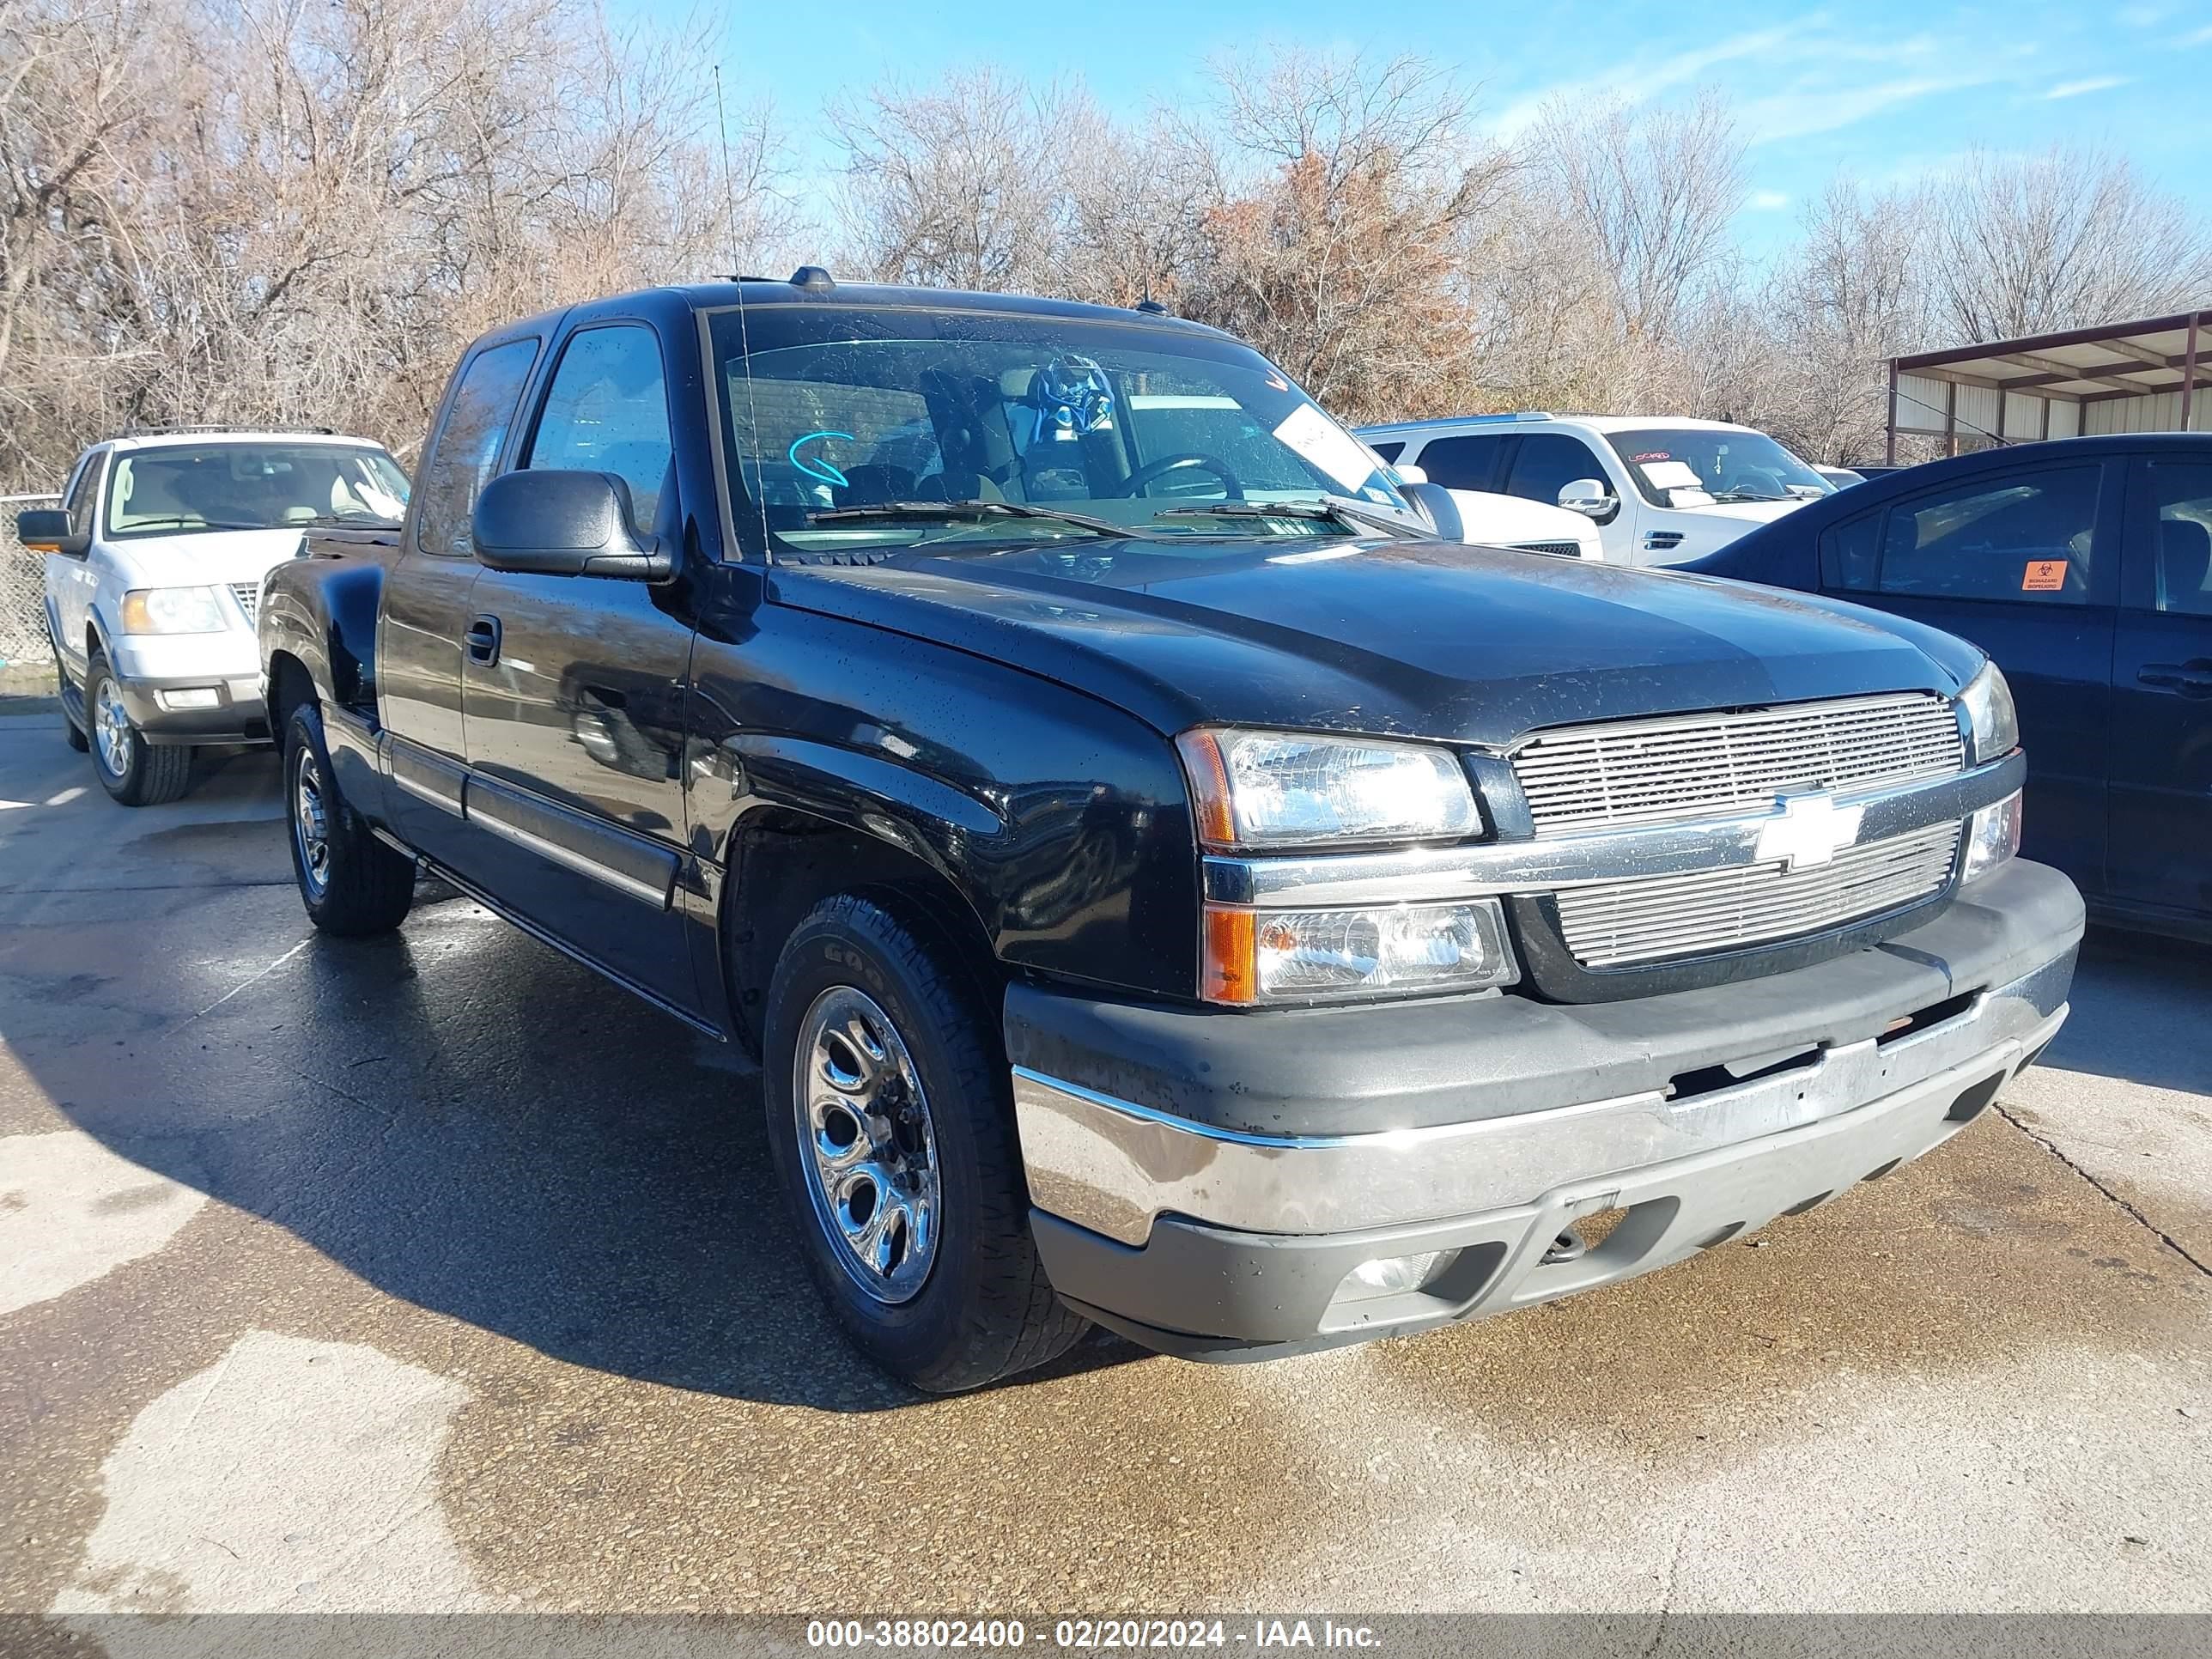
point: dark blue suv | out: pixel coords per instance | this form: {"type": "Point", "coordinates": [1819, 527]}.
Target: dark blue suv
{"type": "Point", "coordinates": [2081, 566]}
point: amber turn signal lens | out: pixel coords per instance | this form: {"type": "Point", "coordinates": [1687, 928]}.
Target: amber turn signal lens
{"type": "Point", "coordinates": [1209, 788]}
{"type": "Point", "coordinates": [1229, 973]}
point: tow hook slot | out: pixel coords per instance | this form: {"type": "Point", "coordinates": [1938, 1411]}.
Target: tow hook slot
{"type": "Point", "coordinates": [1567, 1247]}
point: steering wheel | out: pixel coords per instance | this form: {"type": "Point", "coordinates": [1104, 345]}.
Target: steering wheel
{"type": "Point", "coordinates": [1151, 471]}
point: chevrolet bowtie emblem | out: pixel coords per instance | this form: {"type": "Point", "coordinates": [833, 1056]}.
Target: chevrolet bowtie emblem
{"type": "Point", "coordinates": [1806, 830]}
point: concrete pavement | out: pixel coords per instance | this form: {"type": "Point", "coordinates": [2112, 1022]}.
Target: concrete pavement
{"type": "Point", "coordinates": [431, 1273]}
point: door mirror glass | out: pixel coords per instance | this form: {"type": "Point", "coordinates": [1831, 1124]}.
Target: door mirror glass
{"type": "Point", "coordinates": [50, 530]}
{"type": "Point", "coordinates": [557, 523]}
{"type": "Point", "coordinates": [1590, 498]}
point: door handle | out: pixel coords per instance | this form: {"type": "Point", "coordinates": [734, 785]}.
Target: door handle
{"type": "Point", "coordinates": [483, 640]}
{"type": "Point", "coordinates": [2192, 678]}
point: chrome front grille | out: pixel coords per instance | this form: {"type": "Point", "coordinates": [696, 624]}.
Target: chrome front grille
{"type": "Point", "coordinates": [1660, 771]}
{"type": "Point", "coordinates": [1656, 918]}
{"type": "Point", "coordinates": [249, 599]}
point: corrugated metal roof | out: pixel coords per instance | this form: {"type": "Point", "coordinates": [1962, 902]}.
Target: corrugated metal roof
{"type": "Point", "coordinates": [2122, 377]}
{"type": "Point", "coordinates": [2126, 359]}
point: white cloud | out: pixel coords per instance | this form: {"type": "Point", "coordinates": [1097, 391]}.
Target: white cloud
{"type": "Point", "coordinates": [1802, 109]}
{"type": "Point", "coordinates": [2201, 38]}
{"type": "Point", "coordinates": [1767, 200]}
{"type": "Point", "coordinates": [2077, 88]}
{"type": "Point", "coordinates": [1646, 77]}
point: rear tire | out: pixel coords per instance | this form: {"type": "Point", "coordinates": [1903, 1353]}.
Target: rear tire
{"type": "Point", "coordinates": [133, 771]}
{"type": "Point", "coordinates": [71, 731]}
{"type": "Point", "coordinates": [887, 1097]}
{"type": "Point", "coordinates": [352, 884]}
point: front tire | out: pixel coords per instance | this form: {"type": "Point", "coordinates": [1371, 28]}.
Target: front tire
{"type": "Point", "coordinates": [890, 1121]}
{"type": "Point", "coordinates": [133, 771]}
{"type": "Point", "coordinates": [351, 883]}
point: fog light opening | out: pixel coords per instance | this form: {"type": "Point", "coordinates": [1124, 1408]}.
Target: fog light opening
{"type": "Point", "coordinates": [196, 696]}
{"type": "Point", "coordinates": [1392, 1275]}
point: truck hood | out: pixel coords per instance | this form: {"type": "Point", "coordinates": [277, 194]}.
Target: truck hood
{"type": "Point", "coordinates": [1428, 639]}
{"type": "Point", "coordinates": [220, 556]}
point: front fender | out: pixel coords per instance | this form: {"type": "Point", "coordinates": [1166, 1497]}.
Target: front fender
{"type": "Point", "coordinates": [1062, 822]}
{"type": "Point", "coordinates": [323, 611]}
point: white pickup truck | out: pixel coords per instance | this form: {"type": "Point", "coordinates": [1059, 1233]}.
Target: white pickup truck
{"type": "Point", "coordinates": [154, 567]}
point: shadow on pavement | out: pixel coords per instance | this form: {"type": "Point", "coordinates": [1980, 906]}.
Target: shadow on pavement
{"type": "Point", "coordinates": [463, 1118]}
{"type": "Point", "coordinates": [2139, 1015]}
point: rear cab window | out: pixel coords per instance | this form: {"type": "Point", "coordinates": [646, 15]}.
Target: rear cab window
{"type": "Point", "coordinates": [468, 443]}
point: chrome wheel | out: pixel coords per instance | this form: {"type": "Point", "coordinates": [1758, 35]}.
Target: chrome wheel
{"type": "Point", "coordinates": [111, 726]}
{"type": "Point", "coordinates": [311, 828]}
{"type": "Point", "coordinates": [863, 1119]}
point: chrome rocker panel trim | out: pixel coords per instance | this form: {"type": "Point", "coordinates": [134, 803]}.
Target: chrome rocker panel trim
{"type": "Point", "coordinates": [1491, 868]}
{"type": "Point", "coordinates": [1113, 1166]}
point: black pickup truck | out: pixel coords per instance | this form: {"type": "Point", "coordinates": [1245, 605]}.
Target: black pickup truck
{"type": "Point", "coordinates": [1163, 884]}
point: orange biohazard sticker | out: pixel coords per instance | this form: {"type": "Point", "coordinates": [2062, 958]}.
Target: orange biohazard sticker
{"type": "Point", "coordinates": [2044, 576]}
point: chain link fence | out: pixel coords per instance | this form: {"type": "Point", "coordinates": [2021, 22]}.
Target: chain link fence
{"type": "Point", "coordinates": [23, 646]}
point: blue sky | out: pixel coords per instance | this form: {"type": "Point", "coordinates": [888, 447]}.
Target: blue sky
{"type": "Point", "coordinates": [1886, 88]}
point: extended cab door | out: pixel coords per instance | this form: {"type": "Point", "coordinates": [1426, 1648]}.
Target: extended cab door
{"type": "Point", "coordinates": [425, 612]}
{"type": "Point", "coordinates": [575, 687]}
{"type": "Point", "coordinates": [2160, 847]}
{"type": "Point", "coordinates": [2021, 561]}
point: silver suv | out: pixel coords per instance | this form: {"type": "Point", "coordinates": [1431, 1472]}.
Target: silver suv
{"type": "Point", "coordinates": [154, 568]}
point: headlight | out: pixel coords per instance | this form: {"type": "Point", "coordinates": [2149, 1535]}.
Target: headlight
{"type": "Point", "coordinates": [1989, 709]}
{"type": "Point", "coordinates": [1992, 836]}
{"type": "Point", "coordinates": [173, 611]}
{"type": "Point", "coordinates": [1397, 950]}
{"type": "Point", "coordinates": [1266, 789]}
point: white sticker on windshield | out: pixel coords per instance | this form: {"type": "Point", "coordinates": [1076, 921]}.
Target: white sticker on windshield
{"type": "Point", "coordinates": [1672, 475]}
{"type": "Point", "coordinates": [1326, 445]}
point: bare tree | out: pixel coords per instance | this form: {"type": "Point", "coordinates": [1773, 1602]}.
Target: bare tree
{"type": "Point", "coordinates": [960, 184]}
{"type": "Point", "coordinates": [1336, 195]}
{"type": "Point", "coordinates": [2068, 237]}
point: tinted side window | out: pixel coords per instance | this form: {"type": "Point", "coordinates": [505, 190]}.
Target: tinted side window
{"type": "Point", "coordinates": [608, 412]}
{"type": "Point", "coordinates": [467, 445]}
{"type": "Point", "coordinates": [1389, 450]}
{"type": "Point", "coordinates": [1548, 463]}
{"type": "Point", "coordinates": [2181, 554]}
{"type": "Point", "coordinates": [2024, 538]}
{"type": "Point", "coordinates": [1462, 463]}
{"type": "Point", "coordinates": [1847, 553]}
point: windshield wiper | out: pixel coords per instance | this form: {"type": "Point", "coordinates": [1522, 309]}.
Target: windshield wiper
{"type": "Point", "coordinates": [958, 511]}
{"type": "Point", "coordinates": [332, 520]}
{"type": "Point", "coordinates": [1330, 510]}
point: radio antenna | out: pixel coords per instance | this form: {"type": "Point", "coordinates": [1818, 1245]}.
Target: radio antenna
{"type": "Point", "coordinates": [729, 192]}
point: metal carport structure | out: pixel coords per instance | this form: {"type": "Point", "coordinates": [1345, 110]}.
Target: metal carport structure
{"type": "Point", "coordinates": [2123, 377]}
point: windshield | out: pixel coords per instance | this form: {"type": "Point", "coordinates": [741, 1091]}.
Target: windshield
{"type": "Point", "coordinates": [863, 431]}
{"type": "Point", "coordinates": [182, 489]}
{"type": "Point", "coordinates": [1687, 466]}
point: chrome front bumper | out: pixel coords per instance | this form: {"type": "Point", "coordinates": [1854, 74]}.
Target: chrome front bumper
{"type": "Point", "coordinates": [1113, 1166]}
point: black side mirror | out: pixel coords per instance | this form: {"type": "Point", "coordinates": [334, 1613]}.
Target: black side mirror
{"type": "Point", "coordinates": [565, 524]}
{"type": "Point", "coordinates": [50, 530]}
